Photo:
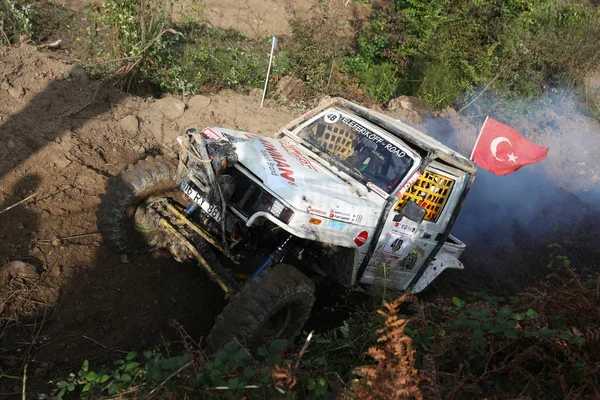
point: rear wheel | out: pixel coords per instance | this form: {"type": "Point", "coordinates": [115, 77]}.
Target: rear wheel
{"type": "Point", "coordinates": [120, 214]}
{"type": "Point", "coordinates": [275, 305]}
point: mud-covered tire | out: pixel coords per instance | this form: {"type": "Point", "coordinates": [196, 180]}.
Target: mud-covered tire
{"type": "Point", "coordinates": [276, 289]}
{"type": "Point", "coordinates": [151, 177]}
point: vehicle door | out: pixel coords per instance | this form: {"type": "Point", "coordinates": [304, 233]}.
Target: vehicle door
{"type": "Point", "coordinates": [405, 244]}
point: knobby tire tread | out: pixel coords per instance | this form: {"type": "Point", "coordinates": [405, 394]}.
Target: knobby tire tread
{"type": "Point", "coordinates": [151, 176]}
{"type": "Point", "coordinates": [260, 299]}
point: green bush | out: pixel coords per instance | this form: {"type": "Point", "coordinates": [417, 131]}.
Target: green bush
{"type": "Point", "coordinates": [314, 49]}
{"type": "Point", "coordinates": [15, 20]}
{"type": "Point", "coordinates": [442, 49]}
{"type": "Point", "coordinates": [137, 42]}
{"type": "Point", "coordinates": [232, 372]}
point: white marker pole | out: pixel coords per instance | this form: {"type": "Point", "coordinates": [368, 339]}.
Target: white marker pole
{"type": "Point", "coordinates": [273, 46]}
{"type": "Point", "coordinates": [478, 137]}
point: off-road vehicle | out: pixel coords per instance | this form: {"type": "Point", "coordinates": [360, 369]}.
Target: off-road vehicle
{"type": "Point", "coordinates": [343, 193]}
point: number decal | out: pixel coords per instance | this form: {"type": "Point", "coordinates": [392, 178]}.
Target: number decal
{"type": "Point", "coordinates": [208, 208]}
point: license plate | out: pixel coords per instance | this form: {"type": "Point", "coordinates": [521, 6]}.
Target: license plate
{"type": "Point", "coordinates": [208, 208]}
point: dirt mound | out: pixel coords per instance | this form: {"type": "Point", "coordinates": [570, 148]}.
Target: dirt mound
{"type": "Point", "coordinates": [63, 137]}
{"type": "Point", "coordinates": [260, 18]}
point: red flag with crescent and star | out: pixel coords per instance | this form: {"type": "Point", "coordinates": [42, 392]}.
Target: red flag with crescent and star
{"type": "Point", "coordinates": [501, 150]}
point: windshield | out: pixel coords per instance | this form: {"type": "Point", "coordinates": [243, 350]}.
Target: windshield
{"type": "Point", "coordinates": [356, 144]}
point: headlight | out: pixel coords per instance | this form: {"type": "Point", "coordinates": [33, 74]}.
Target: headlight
{"type": "Point", "coordinates": [277, 208]}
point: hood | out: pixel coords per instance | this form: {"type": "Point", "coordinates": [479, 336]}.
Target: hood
{"type": "Point", "coordinates": [289, 171]}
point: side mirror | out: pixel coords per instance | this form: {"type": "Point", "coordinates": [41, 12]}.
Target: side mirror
{"type": "Point", "coordinates": [412, 211]}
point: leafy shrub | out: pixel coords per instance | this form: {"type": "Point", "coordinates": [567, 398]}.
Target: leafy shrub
{"type": "Point", "coordinates": [540, 344]}
{"type": "Point", "coordinates": [441, 49]}
{"type": "Point", "coordinates": [232, 371]}
{"type": "Point", "coordinates": [136, 41]}
{"type": "Point", "coordinates": [314, 50]}
{"type": "Point", "coordinates": [15, 20]}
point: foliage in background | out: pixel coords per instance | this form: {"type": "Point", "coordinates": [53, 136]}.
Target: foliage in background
{"type": "Point", "coordinates": [138, 42]}
{"type": "Point", "coordinates": [15, 20]}
{"type": "Point", "coordinates": [441, 50]}
{"type": "Point", "coordinates": [541, 344]}
{"type": "Point", "coordinates": [315, 48]}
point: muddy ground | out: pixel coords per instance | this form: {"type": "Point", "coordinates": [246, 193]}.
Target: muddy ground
{"type": "Point", "coordinates": [63, 137]}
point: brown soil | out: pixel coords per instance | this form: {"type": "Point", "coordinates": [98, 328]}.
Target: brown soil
{"type": "Point", "coordinates": [63, 137]}
{"type": "Point", "coordinates": [256, 18]}
{"type": "Point", "coordinates": [260, 18]}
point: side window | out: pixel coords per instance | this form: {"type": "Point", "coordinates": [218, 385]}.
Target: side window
{"type": "Point", "coordinates": [430, 191]}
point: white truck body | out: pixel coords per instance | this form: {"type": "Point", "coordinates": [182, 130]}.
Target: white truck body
{"type": "Point", "coordinates": [332, 207]}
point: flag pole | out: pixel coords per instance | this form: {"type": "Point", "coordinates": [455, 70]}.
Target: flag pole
{"type": "Point", "coordinates": [478, 137]}
{"type": "Point", "coordinates": [273, 44]}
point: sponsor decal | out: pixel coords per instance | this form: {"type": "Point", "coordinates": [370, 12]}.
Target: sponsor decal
{"type": "Point", "coordinates": [340, 226]}
{"type": "Point", "coordinates": [408, 183]}
{"type": "Point", "coordinates": [377, 190]}
{"type": "Point", "coordinates": [294, 152]}
{"type": "Point", "coordinates": [452, 252]}
{"type": "Point", "coordinates": [316, 211]}
{"type": "Point", "coordinates": [210, 134]}
{"type": "Point", "coordinates": [345, 216]}
{"type": "Point", "coordinates": [372, 136]}
{"type": "Point", "coordinates": [403, 227]}
{"type": "Point", "coordinates": [331, 117]}
{"type": "Point", "coordinates": [361, 238]}
{"type": "Point", "coordinates": [278, 165]}
{"type": "Point", "coordinates": [396, 245]}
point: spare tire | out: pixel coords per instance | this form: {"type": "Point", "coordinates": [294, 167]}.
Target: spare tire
{"type": "Point", "coordinates": [274, 305]}
{"type": "Point", "coordinates": [152, 177]}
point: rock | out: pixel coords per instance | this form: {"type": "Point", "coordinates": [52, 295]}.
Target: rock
{"type": "Point", "coordinates": [256, 93]}
{"type": "Point", "coordinates": [407, 116]}
{"type": "Point", "coordinates": [130, 123]}
{"type": "Point", "coordinates": [450, 112]}
{"type": "Point", "coordinates": [165, 95]}
{"type": "Point", "coordinates": [289, 88]}
{"type": "Point", "coordinates": [61, 161]}
{"type": "Point", "coordinates": [66, 75]}
{"type": "Point", "coordinates": [16, 91]}
{"type": "Point", "coordinates": [4, 85]}
{"type": "Point", "coordinates": [78, 71]}
{"type": "Point", "coordinates": [171, 107]}
{"type": "Point", "coordinates": [11, 144]}
{"type": "Point", "coordinates": [139, 149]}
{"type": "Point", "coordinates": [19, 269]}
{"type": "Point", "coordinates": [155, 127]}
{"type": "Point", "coordinates": [199, 102]}
{"type": "Point", "coordinates": [409, 103]}
{"type": "Point", "coordinates": [170, 134]}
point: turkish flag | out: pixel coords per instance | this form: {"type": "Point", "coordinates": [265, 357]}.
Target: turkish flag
{"type": "Point", "coordinates": [501, 150]}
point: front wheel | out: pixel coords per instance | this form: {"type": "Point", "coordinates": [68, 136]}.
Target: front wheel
{"type": "Point", "coordinates": [119, 212]}
{"type": "Point", "coordinates": [275, 305]}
